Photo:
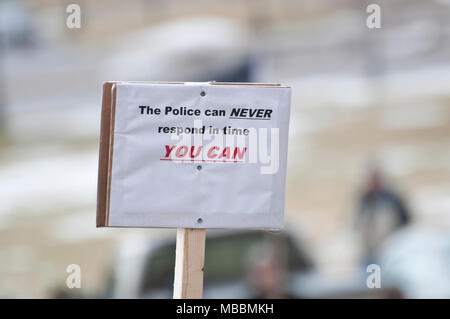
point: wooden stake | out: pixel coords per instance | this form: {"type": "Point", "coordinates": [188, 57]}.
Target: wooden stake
{"type": "Point", "coordinates": [189, 262]}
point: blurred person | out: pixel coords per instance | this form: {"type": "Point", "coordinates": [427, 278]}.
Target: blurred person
{"type": "Point", "coordinates": [266, 272]}
{"type": "Point", "coordinates": [381, 212]}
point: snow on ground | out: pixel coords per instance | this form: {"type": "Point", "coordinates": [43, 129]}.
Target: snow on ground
{"type": "Point", "coordinates": [46, 181]}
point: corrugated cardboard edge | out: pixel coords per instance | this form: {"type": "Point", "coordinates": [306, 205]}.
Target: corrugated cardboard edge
{"type": "Point", "coordinates": [105, 153]}
{"type": "Point", "coordinates": [106, 145]}
{"type": "Point", "coordinates": [208, 83]}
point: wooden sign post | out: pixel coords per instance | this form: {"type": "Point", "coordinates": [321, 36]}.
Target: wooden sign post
{"type": "Point", "coordinates": [193, 156]}
{"type": "Point", "coordinates": [189, 263]}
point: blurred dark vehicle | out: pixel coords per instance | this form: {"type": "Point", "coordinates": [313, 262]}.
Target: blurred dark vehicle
{"type": "Point", "coordinates": [146, 270]}
{"type": "Point", "coordinates": [201, 49]}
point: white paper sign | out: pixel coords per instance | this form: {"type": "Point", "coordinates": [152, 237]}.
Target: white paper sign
{"type": "Point", "coordinates": [199, 155]}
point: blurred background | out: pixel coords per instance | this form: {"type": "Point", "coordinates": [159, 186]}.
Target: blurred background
{"type": "Point", "coordinates": [369, 154]}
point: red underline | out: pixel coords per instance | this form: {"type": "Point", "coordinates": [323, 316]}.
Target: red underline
{"type": "Point", "coordinates": [195, 160]}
